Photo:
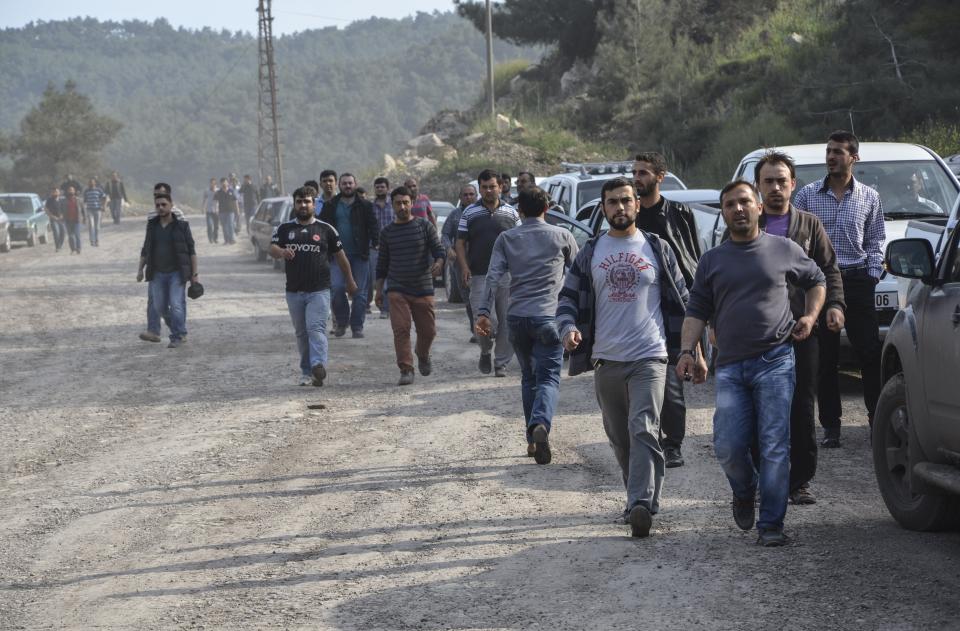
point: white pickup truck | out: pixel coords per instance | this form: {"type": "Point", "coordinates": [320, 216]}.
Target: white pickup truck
{"type": "Point", "coordinates": [913, 181]}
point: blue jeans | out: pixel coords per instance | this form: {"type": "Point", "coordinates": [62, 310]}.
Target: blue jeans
{"type": "Point", "coordinates": [308, 310]}
{"type": "Point", "coordinates": [226, 221]}
{"type": "Point", "coordinates": [536, 343]}
{"type": "Point", "coordinates": [343, 310]}
{"type": "Point", "coordinates": [59, 233]}
{"type": "Point", "coordinates": [73, 234]}
{"type": "Point", "coordinates": [213, 227]}
{"type": "Point", "coordinates": [168, 292]}
{"type": "Point", "coordinates": [753, 402]}
{"type": "Point", "coordinates": [94, 217]}
{"type": "Point", "coordinates": [116, 209]}
{"type": "Point", "coordinates": [153, 318]}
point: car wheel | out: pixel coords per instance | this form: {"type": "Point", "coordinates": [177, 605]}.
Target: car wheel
{"type": "Point", "coordinates": [5, 244]}
{"type": "Point", "coordinates": [452, 289]}
{"type": "Point", "coordinates": [45, 237]}
{"type": "Point", "coordinates": [891, 462]}
{"type": "Point", "coordinates": [32, 238]}
{"type": "Point", "coordinates": [261, 254]}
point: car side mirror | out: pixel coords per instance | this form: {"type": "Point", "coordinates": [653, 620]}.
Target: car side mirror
{"type": "Point", "coordinates": [910, 258]}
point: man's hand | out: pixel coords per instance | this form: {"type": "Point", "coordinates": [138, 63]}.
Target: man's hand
{"type": "Point", "coordinates": [378, 299]}
{"type": "Point", "coordinates": [483, 327]}
{"type": "Point", "coordinates": [700, 370]}
{"type": "Point", "coordinates": [572, 340]}
{"type": "Point", "coordinates": [689, 369]}
{"type": "Point", "coordinates": [195, 278]}
{"type": "Point", "coordinates": [287, 253]}
{"type": "Point", "coordinates": [139, 275]}
{"type": "Point", "coordinates": [465, 277]}
{"type": "Point", "coordinates": [351, 287]}
{"type": "Point", "coordinates": [803, 328]}
{"type": "Point", "coordinates": [835, 319]}
{"type": "Point", "coordinates": [451, 254]}
{"type": "Point", "coordinates": [437, 268]}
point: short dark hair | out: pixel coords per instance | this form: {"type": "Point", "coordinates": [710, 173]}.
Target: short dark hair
{"type": "Point", "coordinates": [401, 190]}
{"type": "Point", "coordinates": [162, 186]}
{"type": "Point", "coordinates": [534, 179]}
{"type": "Point", "coordinates": [361, 190]}
{"type": "Point", "coordinates": [312, 184]}
{"type": "Point", "coordinates": [613, 183]}
{"type": "Point", "coordinates": [654, 159]}
{"type": "Point", "coordinates": [842, 135]}
{"type": "Point", "coordinates": [533, 202]}
{"type": "Point", "coordinates": [488, 174]}
{"type": "Point", "coordinates": [328, 172]}
{"type": "Point", "coordinates": [739, 182]}
{"type": "Point", "coordinates": [165, 196]}
{"type": "Point", "coordinates": [343, 175]}
{"type": "Point", "coordinates": [381, 180]}
{"type": "Point", "coordinates": [506, 176]}
{"type": "Point", "coordinates": [304, 192]}
{"type": "Point", "coordinates": [774, 157]}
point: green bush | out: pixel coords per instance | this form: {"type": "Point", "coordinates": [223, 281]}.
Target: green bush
{"type": "Point", "coordinates": [939, 135]}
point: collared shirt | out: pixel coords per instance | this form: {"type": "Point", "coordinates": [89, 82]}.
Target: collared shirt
{"type": "Point", "coordinates": [93, 198]}
{"type": "Point", "coordinates": [480, 227]}
{"type": "Point", "coordinates": [210, 200]}
{"type": "Point", "coordinates": [853, 223]}
{"type": "Point", "coordinates": [384, 214]}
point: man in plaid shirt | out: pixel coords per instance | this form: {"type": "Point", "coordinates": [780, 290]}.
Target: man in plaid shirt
{"type": "Point", "coordinates": [852, 215]}
{"type": "Point", "coordinates": [383, 210]}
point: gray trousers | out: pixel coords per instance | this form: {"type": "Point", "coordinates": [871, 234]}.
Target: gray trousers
{"type": "Point", "coordinates": [499, 341]}
{"type": "Point", "coordinates": [630, 395]}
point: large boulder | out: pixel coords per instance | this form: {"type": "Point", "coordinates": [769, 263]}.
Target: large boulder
{"type": "Point", "coordinates": [447, 124]}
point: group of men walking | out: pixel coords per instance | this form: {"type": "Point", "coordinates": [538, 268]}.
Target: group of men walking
{"type": "Point", "coordinates": [70, 205]}
{"type": "Point", "coordinates": [226, 201]}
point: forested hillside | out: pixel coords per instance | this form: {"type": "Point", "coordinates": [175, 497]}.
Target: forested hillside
{"type": "Point", "coordinates": [187, 99]}
{"type": "Point", "coordinates": [706, 80]}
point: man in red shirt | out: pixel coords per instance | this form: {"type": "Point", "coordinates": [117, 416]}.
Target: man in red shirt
{"type": "Point", "coordinates": [421, 203]}
{"type": "Point", "coordinates": [74, 215]}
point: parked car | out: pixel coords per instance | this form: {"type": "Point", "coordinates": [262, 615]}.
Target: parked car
{"type": "Point", "coordinates": [913, 181]}
{"type": "Point", "coordinates": [28, 221]}
{"type": "Point", "coordinates": [4, 232]}
{"type": "Point", "coordinates": [582, 182]}
{"type": "Point", "coordinates": [271, 212]}
{"type": "Point", "coordinates": [916, 428]}
{"type": "Point", "coordinates": [954, 163]}
{"type": "Point", "coordinates": [581, 232]}
{"type": "Point", "coordinates": [442, 210]}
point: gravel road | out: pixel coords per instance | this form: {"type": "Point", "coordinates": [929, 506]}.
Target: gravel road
{"type": "Point", "coordinates": [199, 487]}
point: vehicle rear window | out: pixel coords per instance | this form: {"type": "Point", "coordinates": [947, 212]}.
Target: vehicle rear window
{"type": "Point", "coordinates": [17, 205]}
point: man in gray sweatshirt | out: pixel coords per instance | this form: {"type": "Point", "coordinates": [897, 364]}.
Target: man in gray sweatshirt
{"type": "Point", "coordinates": [532, 257]}
{"type": "Point", "coordinates": [742, 288]}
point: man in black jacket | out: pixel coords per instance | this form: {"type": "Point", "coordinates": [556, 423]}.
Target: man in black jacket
{"type": "Point", "coordinates": [356, 224]}
{"type": "Point", "coordinates": [170, 258]}
{"type": "Point", "coordinates": [117, 194]}
{"type": "Point", "coordinates": [674, 223]}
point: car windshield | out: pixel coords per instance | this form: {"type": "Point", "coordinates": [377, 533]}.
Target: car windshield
{"type": "Point", "coordinates": [907, 188]}
{"type": "Point", "coordinates": [441, 209]}
{"type": "Point", "coordinates": [16, 205]}
{"type": "Point", "coordinates": [671, 183]}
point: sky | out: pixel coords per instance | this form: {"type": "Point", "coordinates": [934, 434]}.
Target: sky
{"type": "Point", "coordinates": [234, 15]}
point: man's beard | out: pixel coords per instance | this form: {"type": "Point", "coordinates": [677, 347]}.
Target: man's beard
{"type": "Point", "coordinates": [620, 222]}
{"type": "Point", "coordinates": [304, 214]}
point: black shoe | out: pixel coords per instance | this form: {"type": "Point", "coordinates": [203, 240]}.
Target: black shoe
{"type": "Point", "coordinates": [486, 364]}
{"type": "Point", "coordinates": [531, 450]}
{"type": "Point", "coordinates": [744, 512]}
{"type": "Point", "coordinates": [672, 457]}
{"type": "Point", "coordinates": [425, 366]}
{"type": "Point", "coordinates": [831, 438]}
{"type": "Point", "coordinates": [772, 539]}
{"type": "Point", "coordinates": [802, 496]}
{"type": "Point", "coordinates": [319, 374]}
{"type": "Point", "coordinates": [542, 455]}
{"type": "Point", "coordinates": [339, 331]}
{"type": "Point", "coordinates": [358, 334]}
{"type": "Point", "coordinates": [640, 521]}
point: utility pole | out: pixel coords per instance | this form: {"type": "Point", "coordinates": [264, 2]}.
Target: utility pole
{"type": "Point", "coordinates": [493, 106]}
{"type": "Point", "coordinates": [268, 123]}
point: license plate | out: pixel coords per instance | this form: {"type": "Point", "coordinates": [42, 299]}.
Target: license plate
{"type": "Point", "coordinates": [886, 300]}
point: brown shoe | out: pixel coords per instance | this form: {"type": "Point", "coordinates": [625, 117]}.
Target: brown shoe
{"type": "Point", "coordinates": [406, 378]}
{"type": "Point", "coordinates": [531, 450]}
{"type": "Point", "coordinates": [147, 336]}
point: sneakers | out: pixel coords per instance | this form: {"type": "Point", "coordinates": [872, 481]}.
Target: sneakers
{"type": "Point", "coordinates": [339, 331]}
{"type": "Point", "coordinates": [147, 336]}
{"type": "Point", "coordinates": [802, 496]}
{"type": "Point", "coordinates": [499, 371]}
{"type": "Point", "coordinates": [425, 366]}
{"type": "Point", "coordinates": [485, 364]}
{"type": "Point", "coordinates": [319, 374]}
{"type": "Point", "coordinates": [640, 521]}
{"type": "Point", "coordinates": [542, 445]}
{"type": "Point", "coordinates": [358, 335]}
{"type": "Point", "coordinates": [772, 539]}
{"type": "Point", "coordinates": [305, 380]}
{"type": "Point", "coordinates": [406, 378]}
{"type": "Point", "coordinates": [672, 457]}
{"type": "Point", "coordinates": [831, 438]}
{"type": "Point", "coordinates": [744, 512]}
{"type": "Point", "coordinates": [531, 450]}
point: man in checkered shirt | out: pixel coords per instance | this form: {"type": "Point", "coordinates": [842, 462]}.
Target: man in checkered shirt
{"type": "Point", "coordinates": [852, 215]}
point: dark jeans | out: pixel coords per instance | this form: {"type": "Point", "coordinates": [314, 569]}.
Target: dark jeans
{"type": "Point", "coordinates": [863, 331]}
{"type": "Point", "coordinates": [803, 430]}
{"type": "Point", "coordinates": [673, 416]}
{"type": "Point", "coordinates": [536, 343]}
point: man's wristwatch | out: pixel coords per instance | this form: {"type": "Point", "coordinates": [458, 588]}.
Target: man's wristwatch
{"type": "Point", "coordinates": [689, 352]}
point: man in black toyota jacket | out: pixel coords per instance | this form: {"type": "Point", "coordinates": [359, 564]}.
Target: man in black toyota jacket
{"type": "Point", "coordinates": [356, 223]}
{"type": "Point", "coordinates": [674, 223]}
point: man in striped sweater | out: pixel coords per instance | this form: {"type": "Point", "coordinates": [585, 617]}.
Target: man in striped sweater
{"type": "Point", "coordinates": [406, 248]}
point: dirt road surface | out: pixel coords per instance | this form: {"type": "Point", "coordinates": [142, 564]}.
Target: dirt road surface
{"type": "Point", "coordinates": [148, 488]}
